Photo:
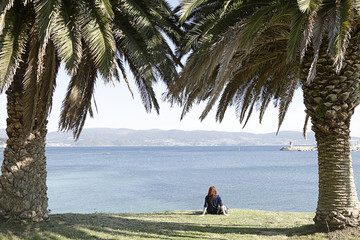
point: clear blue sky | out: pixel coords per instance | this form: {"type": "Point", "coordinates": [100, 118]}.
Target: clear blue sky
{"type": "Point", "coordinates": [117, 109]}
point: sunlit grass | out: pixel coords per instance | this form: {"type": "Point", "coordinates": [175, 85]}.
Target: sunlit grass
{"type": "Point", "coordinates": [240, 224]}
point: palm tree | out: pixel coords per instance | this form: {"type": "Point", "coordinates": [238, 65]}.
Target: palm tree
{"type": "Point", "coordinates": [246, 54]}
{"type": "Point", "coordinates": [91, 39]}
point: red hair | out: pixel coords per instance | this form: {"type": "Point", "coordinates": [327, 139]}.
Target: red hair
{"type": "Point", "coordinates": [212, 193]}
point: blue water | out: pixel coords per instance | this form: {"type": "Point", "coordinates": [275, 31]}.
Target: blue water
{"type": "Point", "coordinates": [148, 179]}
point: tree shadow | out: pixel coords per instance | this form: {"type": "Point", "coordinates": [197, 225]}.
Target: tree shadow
{"type": "Point", "coordinates": [196, 213]}
{"type": "Point", "coordinates": [107, 226]}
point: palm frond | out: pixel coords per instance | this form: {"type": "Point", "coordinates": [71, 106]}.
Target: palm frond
{"type": "Point", "coordinates": [187, 6]}
{"type": "Point", "coordinates": [218, 18]}
{"type": "Point", "coordinates": [340, 43]}
{"type": "Point", "coordinates": [67, 38]}
{"type": "Point", "coordinates": [140, 43]}
{"type": "Point", "coordinates": [256, 24]}
{"type": "Point", "coordinates": [238, 67]}
{"type": "Point", "coordinates": [163, 18]}
{"type": "Point", "coordinates": [299, 37]}
{"type": "Point", "coordinates": [145, 18]}
{"type": "Point", "coordinates": [143, 80]}
{"type": "Point", "coordinates": [312, 26]}
{"type": "Point", "coordinates": [38, 89]}
{"type": "Point", "coordinates": [331, 14]}
{"type": "Point", "coordinates": [223, 73]}
{"type": "Point", "coordinates": [31, 84]}
{"type": "Point", "coordinates": [132, 45]}
{"type": "Point", "coordinates": [286, 98]}
{"type": "Point", "coordinates": [4, 6]}
{"type": "Point", "coordinates": [308, 5]}
{"type": "Point", "coordinates": [12, 44]}
{"type": "Point", "coordinates": [123, 72]}
{"type": "Point", "coordinates": [357, 5]}
{"type": "Point", "coordinates": [304, 5]}
{"type": "Point", "coordinates": [47, 83]}
{"type": "Point", "coordinates": [106, 8]}
{"type": "Point", "coordinates": [46, 11]}
{"type": "Point", "coordinates": [305, 125]}
{"type": "Point", "coordinates": [210, 26]}
{"type": "Point", "coordinates": [77, 102]}
{"type": "Point", "coordinates": [96, 30]}
{"type": "Point", "coordinates": [89, 38]}
{"type": "Point", "coordinates": [317, 38]}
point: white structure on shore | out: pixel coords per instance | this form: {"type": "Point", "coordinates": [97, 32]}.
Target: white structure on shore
{"type": "Point", "coordinates": [354, 147]}
{"type": "Point", "coordinates": [299, 148]}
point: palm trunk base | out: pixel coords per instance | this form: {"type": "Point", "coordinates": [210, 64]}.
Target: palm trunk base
{"type": "Point", "coordinates": [23, 180]}
{"type": "Point", "coordinates": [23, 172]}
{"type": "Point", "coordinates": [26, 216]}
{"type": "Point", "coordinates": [338, 205]}
{"type": "Point", "coordinates": [336, 220]}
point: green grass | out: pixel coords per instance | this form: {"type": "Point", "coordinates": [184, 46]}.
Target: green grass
{"type": "Point", "coordinates": [240, 224]}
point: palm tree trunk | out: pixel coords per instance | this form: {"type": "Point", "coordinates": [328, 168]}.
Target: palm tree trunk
{"type": "Point", "coordinates": [23, 172]}
{"type": "Point", "coordinates": [338, 202]}
{"type": "Point", "coordinates": [330, 101]}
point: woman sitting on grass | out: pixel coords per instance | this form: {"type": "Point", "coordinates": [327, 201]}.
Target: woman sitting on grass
{"type": "Point", "coordinates": [213, 203]}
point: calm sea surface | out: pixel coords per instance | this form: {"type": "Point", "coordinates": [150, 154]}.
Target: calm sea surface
{"type": "Point", "coordinates": [148, 179]}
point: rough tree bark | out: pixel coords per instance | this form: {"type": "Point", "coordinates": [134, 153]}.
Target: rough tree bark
{"type": "Point", "coordinates": [23, 190]}
{"type": "Point", "coordinates": [330, 101]}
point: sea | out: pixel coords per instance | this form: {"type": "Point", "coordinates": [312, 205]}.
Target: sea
{"type": "Point", "coordinates": [154, 179]}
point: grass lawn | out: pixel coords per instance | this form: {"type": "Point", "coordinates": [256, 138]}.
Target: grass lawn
{"type": "Point", "coordinates": [240, 224]}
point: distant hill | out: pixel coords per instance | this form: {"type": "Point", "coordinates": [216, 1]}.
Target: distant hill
{"type": "Point", "coordinates": [156, 137]}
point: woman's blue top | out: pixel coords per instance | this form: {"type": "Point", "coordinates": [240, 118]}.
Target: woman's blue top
{"type": "Point", "coordinates": [214, 205]}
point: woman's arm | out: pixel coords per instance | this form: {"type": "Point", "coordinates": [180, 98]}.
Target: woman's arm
{"type": "Point", "coordinates": [204, 211]}
{"type": "Point", "coordinates": [223, 210]}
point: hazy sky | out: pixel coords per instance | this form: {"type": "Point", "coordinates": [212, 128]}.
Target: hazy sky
{"type": "Point", "coordinates": [117, 109]}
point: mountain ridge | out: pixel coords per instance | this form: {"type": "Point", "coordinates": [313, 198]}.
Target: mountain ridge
{"type": "Point", "coordinates": [175, 137]}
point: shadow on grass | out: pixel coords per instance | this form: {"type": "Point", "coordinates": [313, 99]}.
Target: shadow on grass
{"type": "Point", "coordinates": [105, 226]}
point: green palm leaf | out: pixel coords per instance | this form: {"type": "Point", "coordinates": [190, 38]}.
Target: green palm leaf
{"type": "Point", "coordinates": [13, 45]}
{"type": "Point", "coordinates": [77, 102]}
{"type": "Point", "coordinates": [357, 5]}
{"type": "Point", "coordinates": [106, 9]}
{"type": "Point", "coordinates": [38, 89]}
{"type": "Point", "coordinates": [187, 6]}
{"type": "Point", "coordinates": [96, 30]}
{"type": "Point", "coordinates": [308, 5]}
{"type": "Point", "coordinates": [103, 34]}
{"type": "Point", "coordinates": [46, 11]}
{"type": "Point", "coordinates": [234, 51]}
{"type": "Point", "coordinates": [339, 45]}
{"type": "Point", "coordinates": [4, 6]}
{"type": "Point", "coordinates": [31, 82]}
{"type": "Point", "coordinates": [47, 83]}
{"type": "Point", "coordinates": [299, 38]}
{"type": "Point", "coordinates": [228, 60]}
{"type": "Point", "coordinates": [304, 5]}
{"type": "Point", "coordinates": [67, 37]}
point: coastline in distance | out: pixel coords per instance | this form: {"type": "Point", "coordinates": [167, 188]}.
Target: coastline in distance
{"type": "Point", "coordinates": [157, 137]}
